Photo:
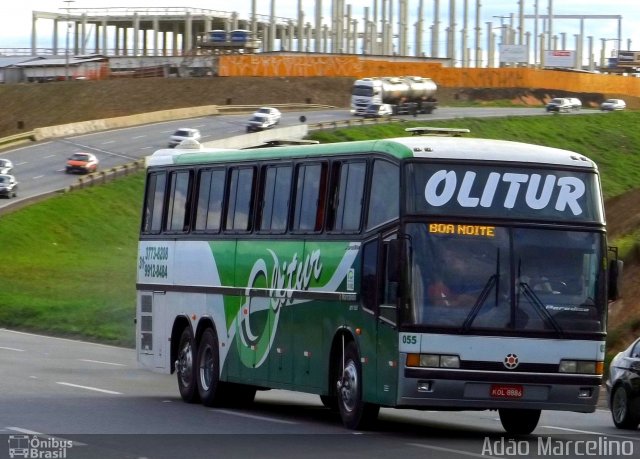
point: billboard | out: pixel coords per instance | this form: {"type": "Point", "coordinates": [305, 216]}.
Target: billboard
{"type": "Point", "coordinates": [514, 53]}
{"type": "Point", "coordinates": [560, 58]}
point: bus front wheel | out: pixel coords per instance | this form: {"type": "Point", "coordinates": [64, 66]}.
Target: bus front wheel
{"type": "Point", "coordinates": [208, 369]}
{"type": "Point", "coordinates": [186, 367]}
{"type": "Point", "coordinates": [519, 422]}
{"type": "Point", "coordinates": [355, 413]}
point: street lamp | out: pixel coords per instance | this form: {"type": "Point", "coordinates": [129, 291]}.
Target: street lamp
{"type": "Point", "coordinates": [66, 52]}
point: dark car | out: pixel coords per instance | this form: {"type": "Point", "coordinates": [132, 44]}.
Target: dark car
{"type": "Point", "coordinates": [623, 387]}
{"type": "Point", "coordinates": [8, 186]}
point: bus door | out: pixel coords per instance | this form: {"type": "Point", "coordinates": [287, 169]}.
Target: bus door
{"type": "Point", "coordinates": [380, 284]}
{"type": "Point", "coordinates": [152, 342]}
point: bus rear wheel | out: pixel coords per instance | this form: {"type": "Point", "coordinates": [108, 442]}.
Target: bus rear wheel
{"type": "Point", "coordinates": [208, 369]}
{"type": "Point", "coordinates": [186, 367]}
{"type": "Point", "coordinates": [355, 413]}
{"type": "Point", "coordinates": [519, 422]}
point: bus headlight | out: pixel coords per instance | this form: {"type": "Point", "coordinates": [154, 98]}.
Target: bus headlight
{"type": "Point", "coordinates": [587, 367]}
{"type": "Point", "coordinates": [433, 361]}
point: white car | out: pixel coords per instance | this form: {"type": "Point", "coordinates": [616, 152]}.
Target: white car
{"type": "Point", "coordinates": [378, 111]}
{"type": "Point", "coordinates": [5, 166]}
{"type": "Point", "coordinates": [273, 114]}
{"type": "Point", "coordinates": [183, 134]}
{"type": "Point", "coordinates": [613, 104]}
{"type": "Point", "coordinates": [559, 104]}
{"type": "Point", "coordinates": [576, 103]}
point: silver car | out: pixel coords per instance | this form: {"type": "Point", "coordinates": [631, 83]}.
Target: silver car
{"type": "Point", "coordinates": [5, 166]}
{"type": "Point", "coordinates": [8, 186]}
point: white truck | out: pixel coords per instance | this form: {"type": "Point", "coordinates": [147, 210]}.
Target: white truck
{"type": "Point", "coordinates": [407, 95]}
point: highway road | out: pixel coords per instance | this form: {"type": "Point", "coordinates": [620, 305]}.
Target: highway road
{"type": "Point", "coordinates": [39, 167]}
{"type": "Point", "coordinates": [96, 397]}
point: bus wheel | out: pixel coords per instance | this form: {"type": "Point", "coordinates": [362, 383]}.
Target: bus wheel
{"type": "Point", "coordinates": [186, 367]}
{"type": "Point", "coordinates": [355, 413]}
{"type": "Point", "coordinates": [621, 411]}
{"type": "Point", "coordinates": [208, 369]}
{"type": "Point", "coordinates": [519, 422]}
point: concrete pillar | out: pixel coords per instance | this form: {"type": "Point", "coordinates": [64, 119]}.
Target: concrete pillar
{"type": "Point", "coordinates": [96, 38]}
{"type": "Point", "coordinates": [478, 32]}
{"type": "Point", "coordinates": [592, 65]}
{"type": "Point", "coordinates": [54, 39]}
{"type": "Point", "coordinates": [419, 30]}
{"type": "Point", "coordinates": [318, 27]}
{"type": "Point", "coordinates": [34, 36]}
{"type": "Point", "coordinates": [83, 34]}
{"type": "Point", "coordinates": [435, 31]}
{"type": "Point", "coordinates": [272, 27]}
{"type": "Point", "coordinates": [542, 49]}
{"type": "Point", "coordinates": [452, 31]}
{"type": "Point", "coordinates": [463, 35]}
{"type": "Point", "coordinates": [489, 34]}
{"type": "Point", "coordinates": [174, 40]}
{"type": "Point", "coordinates": [187, 39]}
{"type": "Point", "coordinates": [125, 41]}
{"type": "Point", "coordinates": [136, 34]}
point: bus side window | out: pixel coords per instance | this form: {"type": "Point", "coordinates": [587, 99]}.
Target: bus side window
{"type": "Point", "coordinates": [275, 191]}
{"type": "Point", "coordinates": [308, 214]}
{"type": "Point", "coordinates": [178, 208]}
{"type": "Point", "coordinates": [240, 199]}
{"type": "Point", "coordinates": [209, 201]}
{"type": "Point", "coordinates": [346, 193]}
{"type": "Point", "coordinates": [152, 218]}
{"type": "Point", "coordinates": [384, 203]}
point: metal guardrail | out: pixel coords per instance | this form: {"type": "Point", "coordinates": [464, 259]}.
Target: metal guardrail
{"type": "Point", "coordinates": [359, 121]}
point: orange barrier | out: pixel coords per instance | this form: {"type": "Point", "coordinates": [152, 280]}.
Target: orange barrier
{"type": "Point", "coordinates": [314, 65]}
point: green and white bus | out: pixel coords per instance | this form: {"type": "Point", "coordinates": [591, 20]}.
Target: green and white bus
{"type": "Point", "coordinates": [320, 269]}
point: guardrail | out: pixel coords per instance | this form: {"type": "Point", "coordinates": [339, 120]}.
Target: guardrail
{"type": "Point", "coordinates": [104, 176]}
{"type": "Point", "coordinates": [17, 138]}
{"type": "Point", "coordinates": [357, 121]}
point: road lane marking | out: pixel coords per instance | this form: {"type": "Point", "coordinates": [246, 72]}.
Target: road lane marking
{"type": "Point", "coordinates": [39, 434]}
{"type": "Point", "coordinates": [590, 432]}
{"type": "Point", "coordinates": [138, 137]}
{"type": "Point", "coordinates": [253, 416]}
{"type": "Point", "coordinates": [88, 343]}
{"type": "Point", "coordinates": [11, 349]}
{"type": "Point", "coordinates": [449, 450]}
{"type": "Point", "coordinates": [106, 142]}
{"type": "Point", "coordinates": [104, 363]}
{"type": "Point", "coordinates": [37, 177]}
{"type": "Point", "coordinates": [96, 149]}
{"type": "Point", "coordinates": [48, 156]}
{"type": "Point", "coordinates": [95, 389]}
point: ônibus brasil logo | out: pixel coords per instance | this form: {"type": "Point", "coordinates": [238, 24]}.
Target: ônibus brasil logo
{"type": "Point", "coordinates": [285, 278]}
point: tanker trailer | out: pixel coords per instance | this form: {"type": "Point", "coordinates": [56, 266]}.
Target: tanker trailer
{"type": "Point", "coordinates": [406, 95]}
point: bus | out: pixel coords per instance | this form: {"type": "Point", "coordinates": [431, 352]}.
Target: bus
{"type": "Point", "coordinates": [319, 268]}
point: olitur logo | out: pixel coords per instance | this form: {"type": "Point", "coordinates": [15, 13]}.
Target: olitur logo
{"type": "Point", "coordinates": [531, 190]}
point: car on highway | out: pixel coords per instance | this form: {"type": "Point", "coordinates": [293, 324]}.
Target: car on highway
{"type": "Point", "coordinates": [378, 111]}
{"type": "Point", "coordinates": [273, 114]}
{"type": "Point", "coordinates": [260, 122]}
{"type": "Point", "coordinates": [5, 166]}
{"type": "Point", "coordinates": [610, 105]}
{"type": "Point", "coordinates": [576, 104]}
{"type": "Point", "coordinates": [623, 387]}
{"type": "Point", "coordinates": [183, 134]}
{"type": "Point", "coordinates": [8, 186]}
{"type": "Point", "coordinates": [559, 104]}
{"type": "Point", "coordinates": [82, 163]}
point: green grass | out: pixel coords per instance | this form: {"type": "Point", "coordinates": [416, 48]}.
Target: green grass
{"type": "Point", "coordinates": [69, 263]}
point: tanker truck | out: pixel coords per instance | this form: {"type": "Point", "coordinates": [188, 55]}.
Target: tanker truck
{"type": "Point", "coordinates": [406, 95]}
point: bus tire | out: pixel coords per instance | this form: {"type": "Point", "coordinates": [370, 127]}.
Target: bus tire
{"type": "Point", "coordinates": [355, 413]}
{"type": "Point", "coordinates": [186, 367]}
{"type": "Point", "coordinates": [621, 410]}
{"type": "Point", "coordinates": [519, 422]}
{"type": "Point", "coordinates": [208, 369]}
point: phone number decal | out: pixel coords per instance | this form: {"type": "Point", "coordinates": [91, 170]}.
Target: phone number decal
{"type": "Point", "coordinates": [153, 262]}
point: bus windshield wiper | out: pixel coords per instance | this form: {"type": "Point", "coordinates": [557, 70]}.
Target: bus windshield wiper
{"type": "Point", "coordinates": [539, 306]}
{"type": "Point", "coordinates": [493, 280]}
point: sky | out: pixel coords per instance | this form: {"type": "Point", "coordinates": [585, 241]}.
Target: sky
{"type": "Point", "coordinates": [15, 19]}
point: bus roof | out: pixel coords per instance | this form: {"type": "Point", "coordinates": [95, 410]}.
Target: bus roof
{"type": "Point", "coordinates": [432, 147]}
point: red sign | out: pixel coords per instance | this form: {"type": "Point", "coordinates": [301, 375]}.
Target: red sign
{"type": "Point", "coordinates": [506, 391]}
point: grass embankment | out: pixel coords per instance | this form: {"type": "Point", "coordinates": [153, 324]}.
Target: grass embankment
{"type": "Point", "coordinates": [69, 263]}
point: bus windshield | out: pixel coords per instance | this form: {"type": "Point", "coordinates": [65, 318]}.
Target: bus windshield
{"type": "Point", "coordinates": [507, 280]}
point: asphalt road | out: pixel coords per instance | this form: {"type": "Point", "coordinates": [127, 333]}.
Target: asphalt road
{"type": "Point", "coordinates": [97, 397]}
{"type": "Point", "coordinates": [39, 168]}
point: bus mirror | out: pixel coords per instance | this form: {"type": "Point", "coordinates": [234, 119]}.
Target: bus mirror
{"type": "Point", "coordinates": [615, 279]}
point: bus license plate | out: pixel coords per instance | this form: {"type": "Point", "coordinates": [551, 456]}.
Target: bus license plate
{"type": "Point", "coordinates": [506, 391]}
